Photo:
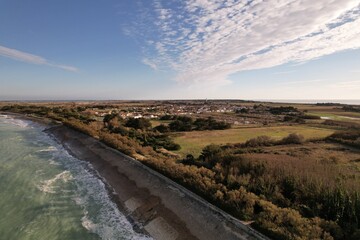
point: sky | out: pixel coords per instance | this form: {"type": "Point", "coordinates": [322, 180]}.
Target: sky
{"type": "Point", "coordinates": [172, 49]}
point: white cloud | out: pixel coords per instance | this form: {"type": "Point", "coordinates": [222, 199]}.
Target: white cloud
{"type": "Point", "coordinates": [208, 40]}
{"type": "Point", "coordinates": [347, 84]}
{"type": "Point", "coordinates": [283, 72]}
{"type": "Point", "coordinates": [148, 62]}
{"type": "Point", "coordinates": [301, 82]}
{"type": "Point", "coordinates": [30, 58]}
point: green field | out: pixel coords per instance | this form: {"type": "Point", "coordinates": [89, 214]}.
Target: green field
{"type": "Point", "coordinates": [340, 116]}
{"type": "Point", "coordinates": [193, 142]}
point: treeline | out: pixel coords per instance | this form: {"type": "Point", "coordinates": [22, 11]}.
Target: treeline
{"type": "Point", "coordinates": [351, 108]}
{"type": "Point", "coordinates": [282, 206]}
{"type": "Point", "coordinates": [139, 129]}
{"type": "Point", "coordinates": [283, 110]}
{"type": "Point", "coordinates": [184, 124]}
{"type": "Point", "coordinates": [342, 124]}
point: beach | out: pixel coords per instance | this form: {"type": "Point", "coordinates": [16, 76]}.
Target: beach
{"type": "Point", "coordinates": [156, 205]}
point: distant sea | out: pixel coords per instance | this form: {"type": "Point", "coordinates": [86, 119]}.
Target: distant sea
{"type": "Point", "coordinates": [45, 193]}
{"type": "Point", "coordinates": [313, 101]}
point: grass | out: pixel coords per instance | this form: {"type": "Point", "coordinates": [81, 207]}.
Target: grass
{"type": "Point", "coordinates": [194, 142]}
{"type": "Point", "coordinates": [155, 123]}
{"type": "Point", "coordinates": [320, 161]}
{"type": "Point", "coordinates": [340, 116]}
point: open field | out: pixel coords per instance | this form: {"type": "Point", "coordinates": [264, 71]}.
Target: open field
{"type": "Point", "coordinates": [194, 142]}
{"type": "Point", "coordinates": [340, 116]}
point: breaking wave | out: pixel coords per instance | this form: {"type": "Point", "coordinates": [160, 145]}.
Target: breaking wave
{"type": "Point", "coordinates": [101, 215]}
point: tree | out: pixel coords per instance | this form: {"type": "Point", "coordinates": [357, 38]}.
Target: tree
{"type": "Point", "coordinates": [138, 123]}
{"type": "Point", "coordinates": [211, 154]}
{"type": "Point", "coordinates": [162, 128]}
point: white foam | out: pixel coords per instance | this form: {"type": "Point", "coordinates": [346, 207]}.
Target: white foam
{"type": "Point", "coordinates": [48, 149]}
{"type": "Point", "coordinates": [48, 186]}
{"type": "Point", "coordinates": [52, 162]}
{"type": "Point", "coordinates": [87, 223]}
{"type": "Point", "coordinates": [101, 215]}
{"type": "Point", "coordinates": [18, 122]}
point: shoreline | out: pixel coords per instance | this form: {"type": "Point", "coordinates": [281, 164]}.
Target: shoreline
{"type": "Point", "coordinates": [153, 204]}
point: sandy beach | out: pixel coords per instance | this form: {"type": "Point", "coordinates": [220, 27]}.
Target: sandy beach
{"type": "Point", "coordinates": [155, 204]}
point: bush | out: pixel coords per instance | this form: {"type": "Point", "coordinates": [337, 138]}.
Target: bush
{"type": "Point", "coordinates": [138, 123]}
{"type": "Point", "coordinates": [293, 138]}
{"type": "Point", "coordinates": [259, 141]}
{"type": "Point", "coordinates": [162, 128]}
{"type": "Point", "coordinates": [311, 117]}
{"type": "Point", "coordinates": [346, 135]}
{"type": "Point", "coordinates": [285, 223]}
{"type": "Point", "coordinates": [167, 117]}
{"type": "Point", "coordinates": [283, 110]}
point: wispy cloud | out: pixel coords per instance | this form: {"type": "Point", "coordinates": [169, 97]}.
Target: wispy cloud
{"type": "Point", "coordinates": [148, 62]}
{"type": "Point", "coordinates": [283, 72]}
{"type": "Point", "coordinates": [208, 40]}
{"type": "Point", "coordinates": [301, 82]}
{"type": "Point", "coordinates": [347, 84]}
{"type": "Point", "coordinates": [31, 58]}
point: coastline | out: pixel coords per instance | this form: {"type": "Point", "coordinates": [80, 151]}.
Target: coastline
{"type": "Point", "coordinates": [154, 204]}
{"type": "Point", "coordinates": [46, 122]}
{"type": "Point", "coordinates": [157, 205]}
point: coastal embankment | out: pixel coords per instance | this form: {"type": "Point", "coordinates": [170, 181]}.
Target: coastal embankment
{"type": "Point", "coordinates": [155, 204]}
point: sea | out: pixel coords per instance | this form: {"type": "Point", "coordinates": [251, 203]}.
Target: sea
{"type": "Point", "coordinates": [314, 101]}
{"type": "Point", "coordinates": [47, 194]}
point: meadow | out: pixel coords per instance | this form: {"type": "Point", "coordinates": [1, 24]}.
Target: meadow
{"type": "Point", "coordinates": [341, 116]}
{"type": "Point", "coordinates": [193, 142]}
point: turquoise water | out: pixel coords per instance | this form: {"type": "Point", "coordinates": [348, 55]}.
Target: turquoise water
{"type": "Point", "coordinates": [45, 193]}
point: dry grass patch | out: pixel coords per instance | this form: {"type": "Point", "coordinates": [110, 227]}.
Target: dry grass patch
{"type": "Point", "coordinates": [193, 142]}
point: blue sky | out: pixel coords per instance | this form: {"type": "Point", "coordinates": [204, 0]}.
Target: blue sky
{"type": "Point", "coordinates": [170, 49]}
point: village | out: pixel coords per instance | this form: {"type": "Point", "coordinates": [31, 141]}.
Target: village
{"type": "Point", "coordinates": [233, 112]}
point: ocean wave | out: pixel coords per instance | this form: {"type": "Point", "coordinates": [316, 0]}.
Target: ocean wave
{"type": "Point", "coordinates": [18, 122]}
{"type": "Point", "coordinates": [48, 186]}
{"type": "Point", "coordinates": [52, 162]}
{"type": "Point", "coordinates": [101, 215]}
{"type": "Point", "coordinates": [109, 222]}
{"type": "Point", "coordinates": [48, 149]}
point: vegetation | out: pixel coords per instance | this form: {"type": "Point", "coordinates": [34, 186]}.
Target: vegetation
{"type": "Point", "coordinates": [240, 168]}
{"type": "Point", "coordinates": [193, 142]}
{"type": "Point", "coordinates": [351, 109]}
{"type": "Point", "coordinates": [288, 186]}
{"type": "Point", "coordinates": [185, 124]}
{"type": "Point", "coordinates": [351, 138]}
{"type": "Point", "coordinates": [283, 110]}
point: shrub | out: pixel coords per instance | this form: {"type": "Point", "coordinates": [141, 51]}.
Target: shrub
{"type": "Point", "coordinates": [138, 123]}
{"type": "Point", "coordinates": [285, 223]}
{"type": "Point", "coordinates": [259, 141]}
{"type": "Point", "coordinates": [310, 117]}
{"type": "Point", "coordinates": [293, 138]}
{"type": "Point", "coordinates": [162, 128]}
